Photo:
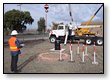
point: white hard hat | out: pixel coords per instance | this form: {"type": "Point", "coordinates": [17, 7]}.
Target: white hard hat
{"type": "Point", "coordinates": [14, 32]}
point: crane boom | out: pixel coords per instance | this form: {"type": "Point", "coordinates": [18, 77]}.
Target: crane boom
{"type": "Point", "coordinates": [70, 13]}
{"type": "Point", "coordinates": [84, 31]}
{"type": "Point", "coordinates": [93, 16]}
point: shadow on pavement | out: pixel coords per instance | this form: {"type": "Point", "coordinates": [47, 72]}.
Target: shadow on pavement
{"type": "Point", "coordinates": [31, 58]}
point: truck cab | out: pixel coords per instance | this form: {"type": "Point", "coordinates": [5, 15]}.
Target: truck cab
{"type": "Point", "coordinates": [60, 31]}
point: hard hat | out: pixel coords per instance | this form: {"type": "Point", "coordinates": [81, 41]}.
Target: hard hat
{"type": "Point", "coordinates": [14, 32]}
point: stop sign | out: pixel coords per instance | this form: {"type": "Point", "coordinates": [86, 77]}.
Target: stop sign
{"type": "Point", "coordinates": [46, 6]}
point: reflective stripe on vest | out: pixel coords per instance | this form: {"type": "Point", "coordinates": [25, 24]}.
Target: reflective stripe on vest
{"type": "Point", "coordinates": [12, 44]}
{"type": "Point", "coordinates": [13, 47]}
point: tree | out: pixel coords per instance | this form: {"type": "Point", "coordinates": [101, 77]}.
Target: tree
{"type": "Point", "coordinates": [41, 25]}
{"type": "Point", "coordinates": [54, 25]}
{"type": "Point", "coordinates": [17, 20]}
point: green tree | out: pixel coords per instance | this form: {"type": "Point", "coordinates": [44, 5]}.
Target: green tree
{"type": "Point", "coordinates": [41, 25]}
{"type": "Point", "coordinates": [17, 20]}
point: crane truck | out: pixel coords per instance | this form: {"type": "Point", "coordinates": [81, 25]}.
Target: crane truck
{"type": "Point", "coordinates": [78, 33]}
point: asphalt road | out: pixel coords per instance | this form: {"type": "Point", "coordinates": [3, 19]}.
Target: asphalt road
{"type": "Point", "coordinates": [28, 37]}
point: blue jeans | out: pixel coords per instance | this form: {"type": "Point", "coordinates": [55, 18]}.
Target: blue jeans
{"type": "Point", "coordinates": [14, 60]}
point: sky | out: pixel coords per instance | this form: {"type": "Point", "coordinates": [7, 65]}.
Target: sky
{"type": "Point", "coordinates": [59, 13]}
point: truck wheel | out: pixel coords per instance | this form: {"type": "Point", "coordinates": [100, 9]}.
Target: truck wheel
{"type": "Point", "coordinates": [52, 39]}
{"type": "Point", "coordinates": [88, 41]}
{"type": "Point", "coordinates": [99, 42]}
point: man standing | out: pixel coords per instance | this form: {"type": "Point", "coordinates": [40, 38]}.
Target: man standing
{"type": "Point", "coordinates": [15, 46]}
{"type": "Point", "coordinates": [70, 31]}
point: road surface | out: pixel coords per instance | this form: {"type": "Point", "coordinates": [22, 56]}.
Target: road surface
{"type": "Point", "coordinates": [28, 37]}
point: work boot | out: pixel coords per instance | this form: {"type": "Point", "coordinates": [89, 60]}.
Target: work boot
{"type": "Point", "coordinates": [12, 69]}
{"type": "Point", "coordinates": [17, 71]}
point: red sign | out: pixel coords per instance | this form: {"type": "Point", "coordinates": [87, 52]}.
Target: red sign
{"type": "Point", "coordinates": [46, 6]}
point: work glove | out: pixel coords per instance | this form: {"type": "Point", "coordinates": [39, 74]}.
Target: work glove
{"type": "Point", "coordinates": [22, 45]}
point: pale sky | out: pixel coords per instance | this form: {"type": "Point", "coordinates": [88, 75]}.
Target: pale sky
{"type": "Point", "coordinates": [59, 12]}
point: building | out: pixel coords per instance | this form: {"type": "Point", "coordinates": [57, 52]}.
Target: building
{"type": "Point", "coordinates": [99, 31]}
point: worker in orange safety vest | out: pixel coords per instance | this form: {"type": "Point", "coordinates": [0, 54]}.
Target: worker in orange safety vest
{"type": "Point", "coordinates": [15, 46]}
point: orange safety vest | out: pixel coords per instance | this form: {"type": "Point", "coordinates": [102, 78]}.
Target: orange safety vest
{"type": "Point", "coordinates": [12, 44]}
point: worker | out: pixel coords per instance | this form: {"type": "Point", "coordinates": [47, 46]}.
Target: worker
{"type": "Point", "coordinates": [15, 46]}
{"type": "Point", "coordinates": [70, 31]}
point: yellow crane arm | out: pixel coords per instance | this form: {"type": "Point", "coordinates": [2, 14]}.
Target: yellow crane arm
{"type": "Point", "coordinates": [82, 31]}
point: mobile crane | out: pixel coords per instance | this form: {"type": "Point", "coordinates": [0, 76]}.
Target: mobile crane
{"type": "Point", "coordinates": [80, 33]}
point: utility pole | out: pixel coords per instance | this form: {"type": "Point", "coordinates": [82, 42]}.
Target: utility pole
{"type": "Point", "coordinates": [46, 7]}
{"type": "Point", "coordinates": [19, 6]}
{"type": "Point", "coordinates": [20, 16]}
{"type": "Point", "coordinates": [20, 9]}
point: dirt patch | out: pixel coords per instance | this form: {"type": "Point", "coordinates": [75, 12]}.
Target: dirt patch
{"type": "Point", "coordinates": [52, 56]}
